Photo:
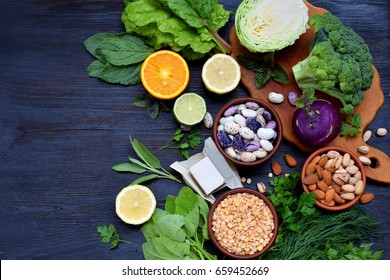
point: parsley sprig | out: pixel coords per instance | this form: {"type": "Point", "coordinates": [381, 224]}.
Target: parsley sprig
{"type": "Point", "coordinates": [109, 234]}
{"type": "Point", "coordinates": [351, 125]}
{"type": "Point", "coordinates": [183, 142]}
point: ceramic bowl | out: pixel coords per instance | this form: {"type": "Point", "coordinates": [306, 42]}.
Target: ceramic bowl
{"type": "Point", "coordinates": [321, 202]}
{"type": "Point", "coordinates": [233, 226]}
{"type": "Point", "coordinates": [275, 142]}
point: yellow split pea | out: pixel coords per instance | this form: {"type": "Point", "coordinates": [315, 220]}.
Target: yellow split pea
{"type": "Point", "coordinates": [243, 224]}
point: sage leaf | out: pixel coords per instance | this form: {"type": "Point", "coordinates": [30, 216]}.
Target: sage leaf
{"type": "Point", "coordinates": [154, 110]}
{"type": "Point", "coordinates": [145, 178]}
{"type": "Point", "coordinates": [144, 154]}
{"type": "Point", "coordinates": [129, 167]}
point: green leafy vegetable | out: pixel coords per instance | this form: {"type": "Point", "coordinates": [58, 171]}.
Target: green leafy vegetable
{"type": "Point", "coordinates": [183, 142]}
{"type": "Point", "coordinates": [188, 26]}
{"type": "Point", "coordinates": [145, 100]}
{"type": "Point", "coordinates": [147, 162]}
{"type": "Point", "coordinates": [265, 68]}
{"type": "Point", "coordinates": [349, 252]}
{"type": "Point", "coordinates": [351, 125]}
{"type": "Point", "coordinates": [179, 231]}
{"type": "Point", "coordinates": [109, 234]}
{"type": "Point", "coordinates": [267, 26]}
{"type": "Point", "coordinates": [306, 233]}
{"type": "Point", "coordinates": [291, 210]}
{"type": "Point", "coordinates": [118, 57]}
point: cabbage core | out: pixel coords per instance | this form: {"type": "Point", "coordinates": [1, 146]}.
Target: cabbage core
{"type": "Point", "coordinates": [270, 25]}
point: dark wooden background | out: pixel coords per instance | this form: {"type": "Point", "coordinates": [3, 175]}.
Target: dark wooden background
{"type": "Point", "coordinates": [61, 131]}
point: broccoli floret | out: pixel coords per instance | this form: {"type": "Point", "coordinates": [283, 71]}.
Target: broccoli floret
{"type": "Point", "coordinates": [339, 64]}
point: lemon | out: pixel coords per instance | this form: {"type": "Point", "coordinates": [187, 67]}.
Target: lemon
{"type": "Point", "coordinates": [221, 73]}
{"type": "Point", "coordinates": [189, 109]}
{"type": "Point", "coordinates": [135, 204]}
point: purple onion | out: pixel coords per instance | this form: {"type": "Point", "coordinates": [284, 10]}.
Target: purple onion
{"type": "Point", "coordinates": [317, 124]}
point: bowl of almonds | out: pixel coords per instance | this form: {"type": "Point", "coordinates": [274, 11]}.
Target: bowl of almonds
{"type": "Point", "coordinates": [336, 177]}
{"type": "Point", "coordinates": [242, 223]}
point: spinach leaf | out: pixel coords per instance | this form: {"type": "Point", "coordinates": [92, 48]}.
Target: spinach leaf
{"type": "Point", "coordinates": [178, 231]}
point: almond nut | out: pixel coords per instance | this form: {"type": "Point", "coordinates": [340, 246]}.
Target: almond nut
{"type": "Point", "coordinates": [323, 160]}
{"type": "Point", "coordinates": [276, 168]}
{"type": "Point", "coordinates": [316, 159]}
{"type": "Point", "coordinates": [319, 170]}
{"type": "Point", "coordinates": [310, 168]}
{"type": "Point", "coordinates": [327, 177]}
{"type": "Point", "coordinates": [336, 187]}
{"type": "Point", "coordinates": [319, 194]}
{"type": "Point", "coordinates": [310, 179]}
{"type": "Point", "coordinates": [290, 160]}
{"type": "Point", "coordinates": [338, 199]}
{"type": "Point", "coordinates": [323, 186]}
{"type": "Point", "coordinates": [366, 198]}
{"type": "Point", "coordinates": [312, 187]}
{"type": "Point", "coordinates": [329, 195]}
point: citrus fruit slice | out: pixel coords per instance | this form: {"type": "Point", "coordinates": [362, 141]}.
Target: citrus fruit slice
{"type": "Point", "coordinates": [189, 109]}
{"type": "Point", "coordinates": [221, 73]}
{"type": "Point", "coordinates": [135, 204]}
{"type": "Point", "coordinates": [165, 74]}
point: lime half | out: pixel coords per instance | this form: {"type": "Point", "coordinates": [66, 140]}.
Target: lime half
{"type": "Point", "coordinates": [189, 109]}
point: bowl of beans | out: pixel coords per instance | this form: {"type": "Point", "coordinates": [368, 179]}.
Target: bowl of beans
{"type": "Point", "coordinates": [336, 176]}
{"type": "Point", "coordinates": [242, 224]}
{"type": "Point", "coordinates": [247, 131]}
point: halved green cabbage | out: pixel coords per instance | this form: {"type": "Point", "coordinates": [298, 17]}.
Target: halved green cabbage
{"type": "Point", "coordinates": [270, 25]}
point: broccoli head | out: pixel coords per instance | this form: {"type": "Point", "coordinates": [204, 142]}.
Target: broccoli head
{"type": "Point", "coordinates": [339, 64]}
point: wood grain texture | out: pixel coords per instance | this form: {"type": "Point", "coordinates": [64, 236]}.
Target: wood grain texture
{"type": "Point", "coordinates": [61, 131]}
{"type": "Point", "coordinates": [290, 56]}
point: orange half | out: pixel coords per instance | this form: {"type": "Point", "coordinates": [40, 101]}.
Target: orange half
{"type": "Point", "coordinates": [165, 74]}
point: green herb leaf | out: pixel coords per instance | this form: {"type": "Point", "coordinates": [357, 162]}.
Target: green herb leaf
{"type": "Point", "coordinates": [179, 231]}
{"type": "Point", "coordinates": [261, 77]}
{"type": "Point", "coordinates": [123, 50]}
{"type": "Point", "coordinates": [265, 68]}
{"type": "Point", "coordinates": [279, 75]}
{"type": "Point", "coordinates": [142, 100]}
{"type": "Point", "coordinates": [145, 178]}
{"type": "Point", "coordinates": [95, 68]}
{"type": "Point", "coordinates": [93, 42]}
{"type": "Point", "coordinates": [109, 234]}
{"type": "Point", "coordinates": [144, 154]}
{"type": "Point", "coordinates": [351, 125]}
{"type": "Point", "coordinates": [129, 167]}
{"type": "Point", "coordinates": [183, 142]}
{"type": "Point", "coordinates": [124, 75]}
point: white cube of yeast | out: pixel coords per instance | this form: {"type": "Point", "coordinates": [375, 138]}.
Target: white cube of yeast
{"type": "Point", "coordinates": [207, 175]}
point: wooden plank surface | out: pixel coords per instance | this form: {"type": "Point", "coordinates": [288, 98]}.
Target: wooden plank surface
{"type": "Point", "coordinates": [61, 131]}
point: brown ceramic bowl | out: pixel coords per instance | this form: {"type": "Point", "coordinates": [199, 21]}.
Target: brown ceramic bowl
{"type": "Point", "coordinates": [275, 142]}
{"type": "Point", "coordinates": [214, 238]}
{"type": "Point", "coordinates": [357, 162]}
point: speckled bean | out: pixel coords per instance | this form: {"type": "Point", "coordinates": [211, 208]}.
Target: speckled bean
{"type": "Point", "coordinates": [231, 111]}
{"type": "Point", "coordinates": [252, 146]}
{"type": "Point", "coordinates": [266, 145]}
{"type": "Point", "coordinates": [248, 113]}
{"type": "Point", "coordinates": [265, 133]}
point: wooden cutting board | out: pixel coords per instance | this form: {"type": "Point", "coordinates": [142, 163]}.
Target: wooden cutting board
{"type": "Point", "coordinates": [288, 57]}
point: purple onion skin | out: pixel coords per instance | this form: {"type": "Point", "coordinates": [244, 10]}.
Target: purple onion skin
{"type": "Point", "coordinates": [318, 124]}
